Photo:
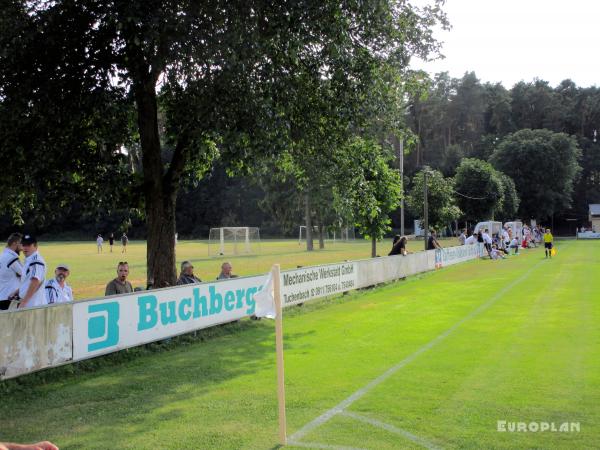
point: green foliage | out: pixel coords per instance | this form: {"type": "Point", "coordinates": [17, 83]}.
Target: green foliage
{"type": "Point", "coordinates": [544, 166]}
{"type": "Point", "coordinates": [441, 199]}
{"type": "Point", "coordinates": [61, 125]}
{"type": "Point", "coordinates": [460, 117]}
{"type": "Point", "coordinates": [510, 201]}
{"type": "Point", "coordinates": [239, 81]}
{"type": "Point", "coordinates": [479, 189]}
{"type": "Point", "coordinates": [372, 187]}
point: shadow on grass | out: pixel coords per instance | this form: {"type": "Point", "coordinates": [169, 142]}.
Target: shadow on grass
{"type": "Point", "coordinates": [118, 398]}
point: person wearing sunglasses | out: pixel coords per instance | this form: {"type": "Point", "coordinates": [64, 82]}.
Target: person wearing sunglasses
{"type": "Point", "coordinates": [120, 285]}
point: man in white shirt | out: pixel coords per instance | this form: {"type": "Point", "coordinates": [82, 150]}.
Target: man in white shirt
{"type": "Point", "coordinates": [31, 291]}
{"type": "Point", "coordinates": [10, 270]}
{"type": "Point", "coordinates": [99, 242]}
{"type": "Point", "coordinates": [57, 289]}
{"type": "Point", "coordinates": [463, 237]}
{"type": "Point", "coordinates": [505, 238]}
{"type": "Point", "coordinates": [487, 241]}
{"type": "Point", "coordinates": [471, 240]}
{"type": "Point", "coordinates": [515, 244]}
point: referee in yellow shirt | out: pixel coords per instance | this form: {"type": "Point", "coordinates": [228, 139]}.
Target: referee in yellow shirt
{"type": "Point", "coordinates": [548, 239]}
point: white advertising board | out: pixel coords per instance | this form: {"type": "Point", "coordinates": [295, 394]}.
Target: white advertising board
{"type": "Point", "coordinates": [307, 283]}
{"type": "Point", "coordinates": [588, 235]}
{"type": "Point", "coordinates": [122, 321]}
{"type": "Point", "coordinates": [453, 255]}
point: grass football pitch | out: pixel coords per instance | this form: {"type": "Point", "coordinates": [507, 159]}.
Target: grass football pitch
{"type": "Point", "coordinates": [91, 271]}
{"type": "Point", "coordinates": [434, 361]}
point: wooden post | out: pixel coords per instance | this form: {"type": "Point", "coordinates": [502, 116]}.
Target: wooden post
{"type": "Point", "coordinates": [425, 209]}
{"type": "Point", "coordinates": [279, 349]}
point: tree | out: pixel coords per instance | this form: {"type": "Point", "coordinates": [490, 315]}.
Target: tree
{"type": "Point", "coordinates": [497, 117]}
{"type": "Point", "coordinates": [224, 74]}
{"type": "Point", "coordinates": [373, 189]}
{"type": "Point", "coordinates": [479, 189]}
{"type": "Point", "coordinates": [544, 166]}
{"type": "Point", "coordinates": [440, 198]}
{"type": "Point", "coordinates": [61, 130]}
{"type": "Point", "coordinates": [510, 201]}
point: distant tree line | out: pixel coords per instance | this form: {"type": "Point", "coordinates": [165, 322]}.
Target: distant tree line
{"type": "Point", "coordinates": [457, 125]}
{"type": "Point", "coordinates": [541, 141]}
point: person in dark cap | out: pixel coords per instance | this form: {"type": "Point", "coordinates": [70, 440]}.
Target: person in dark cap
{"type": "Point", "coordinates": [187, 274]}
{"type": "Point", "coordinates": [31, 291]}
{"type": "Point", "coordinates": [57, 289]}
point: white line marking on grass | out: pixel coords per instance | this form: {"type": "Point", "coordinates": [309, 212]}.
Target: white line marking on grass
{"type": "Point", "coordinates": [324, 446]}
{"type": "Point", "coordinates": [391, 371]}
{"type": "Point", "coordinates": [376, 423]}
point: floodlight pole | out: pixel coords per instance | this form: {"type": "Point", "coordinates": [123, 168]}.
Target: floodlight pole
{"type": "Point", "coordinates": [401, 163]}
{"type": "Point", "coordinates": [425, 209]}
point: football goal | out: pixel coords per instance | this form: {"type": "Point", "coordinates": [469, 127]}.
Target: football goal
{"type": "Point", "coordinates": [227, 241]}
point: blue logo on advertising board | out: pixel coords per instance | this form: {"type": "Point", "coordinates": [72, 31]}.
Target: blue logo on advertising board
{"type": "Point", "coordinates": [103, 325]}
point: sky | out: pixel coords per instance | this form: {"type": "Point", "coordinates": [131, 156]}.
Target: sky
{"type": "Point", "coordinates": [508, 41]}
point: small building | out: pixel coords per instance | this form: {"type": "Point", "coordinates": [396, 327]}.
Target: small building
{"type": "Point", "coordinates": [595, 217]}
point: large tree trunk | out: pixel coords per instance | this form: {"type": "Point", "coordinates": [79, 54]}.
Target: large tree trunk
{"type": "Point", "coordinates": [373, 248]}
{"type": "Point", "coordinates": [321, 237]}
{"type": "Point", "coordinates": [160, 192]}
{"type": "Point", "coordinates": [309, 230]}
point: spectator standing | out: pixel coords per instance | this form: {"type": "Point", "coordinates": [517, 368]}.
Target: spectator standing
{"type": "Point", "coordinates": [432, 242]}
{"type": "Point", "coordinates": [462, 237]}
{"type": "Point", "coordinates": [99, 242]}
{"type": "Point", "coordinates": [399, 247]}
{"type": "Point", "coordinates": [505, 237]}
{"type": "Point", "coordinates": [10, 270]}
{"type": "Point", "coordinates": [31, 292]}
{"type": "Point", "coordinates": [124, 242]}
{"type": "Point", "coordinates": [187, 274]}
{"type": "Point", "coordinates": [226, 271]}
{"type": "Point", "coordinates": [120, 285]}
{"type": "Point", "coordinates": [57, 289]}
{"type": "Point", "coordinates": [111, 241]}
{"type": "Point", "coordinates": [487, 241]}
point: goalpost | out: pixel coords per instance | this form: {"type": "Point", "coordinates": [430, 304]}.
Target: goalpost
{"type": "Point", "coordinates": [226, 241]}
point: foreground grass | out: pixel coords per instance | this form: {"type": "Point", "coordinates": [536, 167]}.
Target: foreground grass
{"type": "Point", "coordinates": [91, 271]}
{"type": "Point", "coordinates": [533, 355]}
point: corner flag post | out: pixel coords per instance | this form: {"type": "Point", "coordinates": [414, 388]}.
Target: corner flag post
{"type": "Point", "coordinates": [276, 271]}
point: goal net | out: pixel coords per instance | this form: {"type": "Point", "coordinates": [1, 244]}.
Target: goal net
{"type": "Point", "coordinates": [229, 241]}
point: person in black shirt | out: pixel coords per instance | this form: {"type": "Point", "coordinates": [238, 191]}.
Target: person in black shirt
{"type": "Point", "coordinates": [399, 247]}
{"type": "Point", "coordinates": [432, 242]}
